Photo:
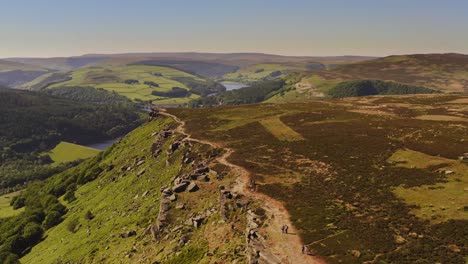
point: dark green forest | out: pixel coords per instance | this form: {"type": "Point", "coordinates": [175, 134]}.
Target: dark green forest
{"type": "Point", "coordinates": [248, 95]}
{"type": "Point", "coordinates": [34, 122]}
{"type": "Point", "coordinates": [375, 87]}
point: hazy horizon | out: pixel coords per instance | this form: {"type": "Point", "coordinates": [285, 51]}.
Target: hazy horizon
{"type": "Point", "coordinates": [54, 28]}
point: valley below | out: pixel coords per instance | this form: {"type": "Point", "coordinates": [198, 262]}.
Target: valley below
{"type": "Point", "coordinates": [141, 161]}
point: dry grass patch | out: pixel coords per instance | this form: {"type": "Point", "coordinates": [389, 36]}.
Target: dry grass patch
{"type": "Point", "coordinates": [414, 159]}
{"type": "Point", "coordinates": [442, 118]}
{"type": "Point", "coordinates": [371, 112]}
{"type": "Point", "coordinates": [280, 130]}
{"type": "Point", "coordinates": [443, 201]}
{"type": "Point", "coordinates": [459, 101]}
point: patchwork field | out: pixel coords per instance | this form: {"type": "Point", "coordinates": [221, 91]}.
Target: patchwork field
{"type": "Point", "coordinates": [136, 82]}
{"type": "Point", "coordinates": [368, 182]}
{"type": "Point", "coordinates": [66, 152]}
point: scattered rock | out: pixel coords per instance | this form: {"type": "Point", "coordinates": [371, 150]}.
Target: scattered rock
{"type": "Point", "coordinates": [140, 162]}
{"type": "Point", "coordinates": [192, 187]}
{"type": "Point", "coordinates": [180, 187]}
{"type": "Point", "coordinates": [202, 170]}
{"type": "Point", "coordinates": [454, 248]}
{"type": "Point", "coordinates": [203, 178]}
{"type": "Point", "coordinates": [356, 253]}
{"type": "Point", "coordinates": [128, 234]}
{"type": "Point", "coordinates": [141, 172]}
{"type": "Point", "coordinates": [180, 206]}
{"type": "Point", "coordinates": [413, 235]}
{"type": "Point", "coordinates": [173, 197]}
{"type": "Point", "coordinates": [400, 240]}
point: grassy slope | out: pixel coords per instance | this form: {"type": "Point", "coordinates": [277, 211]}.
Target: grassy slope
{"type": "Point", "coordinates": [440, 202]}
{"type": "Point", "coordinates": [122, 201]}
{"type": "Point", "coordinates": [337, 183]}
{"type": "Point", "coordinates": [66, 152]}
{"type": "Point", "coordinates": [111, 78]}
{"type": "Point", "coordinates": [5, 209]}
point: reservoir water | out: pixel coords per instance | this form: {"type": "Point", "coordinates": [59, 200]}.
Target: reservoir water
{"type": "Point", "coordinates": [233, 86]}
{"type": "Point", "coordinates": [103, 145]}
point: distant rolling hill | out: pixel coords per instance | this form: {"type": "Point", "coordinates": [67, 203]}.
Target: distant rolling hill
{"type": "Point", "coordinates": [445, 72]}
{"type": "Point", "coordinates": [234, 58]}
{"type": "Point", "coordinates": [13, 74]}
{"type": "Point", "coordinates": [62, 63]}
{"type": "Point", "coordinates": [439, 72]}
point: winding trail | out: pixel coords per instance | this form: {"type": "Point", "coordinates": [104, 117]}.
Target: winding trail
{"type": "Point", "coordinates": [286, 247]}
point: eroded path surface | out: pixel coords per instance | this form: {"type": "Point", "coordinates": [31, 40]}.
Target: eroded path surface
{"type": "Point", "coordinates": [287, 248]}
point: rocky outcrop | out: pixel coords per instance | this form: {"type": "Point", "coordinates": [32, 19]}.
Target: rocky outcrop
{"type": "Point", "coordinates": [257, 250]}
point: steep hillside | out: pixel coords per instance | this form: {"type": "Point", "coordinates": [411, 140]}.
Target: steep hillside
{"type": "Point", "coordinates": [139, 208]}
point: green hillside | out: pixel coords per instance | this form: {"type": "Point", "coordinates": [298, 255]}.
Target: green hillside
{"type": "Point", "coordinates": [68, 152]}
{"type": "Point", "coordinates": [114, 198]}
{"type": "Point", "coordinates": [136, 82]}
{"type": "Point", "coordinates": [263, 72]}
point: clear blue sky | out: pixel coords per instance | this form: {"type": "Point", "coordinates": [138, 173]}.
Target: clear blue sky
{"type": "Point", "coordinates": [292, 27]}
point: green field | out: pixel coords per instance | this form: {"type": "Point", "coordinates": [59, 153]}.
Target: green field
{"type": "Point", "coordinates": [5, 209]}
{"type": "Point", "coordinates": [66, 152]}
{"type": "Point", "coordinates": [258, 72]}
{"type": "Point", "coordinates": [112, 78]}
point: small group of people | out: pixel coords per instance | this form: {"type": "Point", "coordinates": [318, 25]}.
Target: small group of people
{"type": "Point", "coordinates": [284, 229]}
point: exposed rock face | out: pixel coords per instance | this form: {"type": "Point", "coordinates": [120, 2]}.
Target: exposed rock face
{"type": "Point", "coordinates": [258, 251]}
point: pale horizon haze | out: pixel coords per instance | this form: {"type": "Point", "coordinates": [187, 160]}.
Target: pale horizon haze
{"type": "Point", "coordinates": [52, 28]}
